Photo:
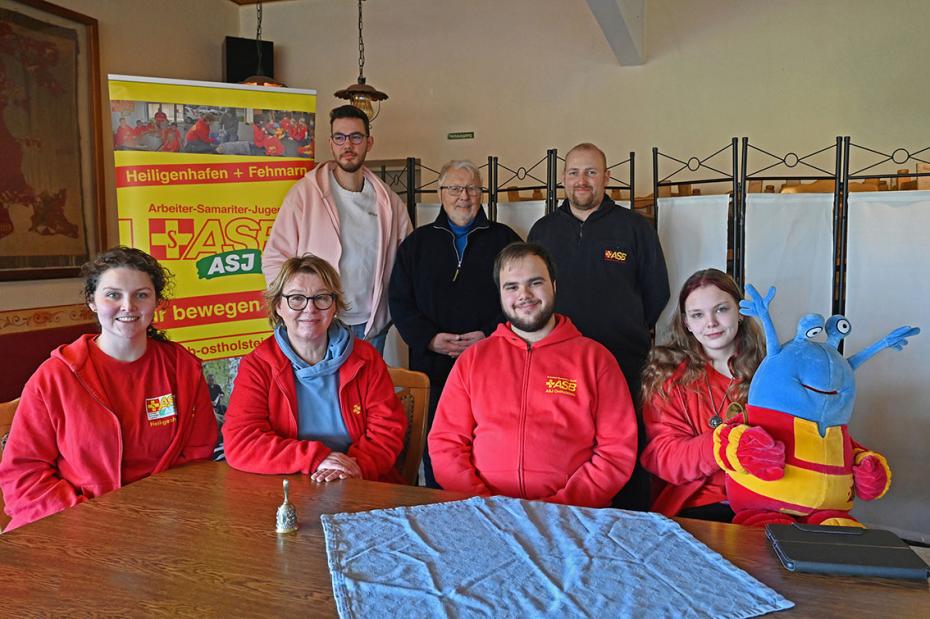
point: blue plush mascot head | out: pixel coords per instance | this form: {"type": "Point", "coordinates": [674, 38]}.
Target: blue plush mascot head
{"type": "Point", "coordinates": [807, 378]}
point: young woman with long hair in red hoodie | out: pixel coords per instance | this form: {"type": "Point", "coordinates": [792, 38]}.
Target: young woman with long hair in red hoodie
{"type": "Point", "coordinates": [690, 386]}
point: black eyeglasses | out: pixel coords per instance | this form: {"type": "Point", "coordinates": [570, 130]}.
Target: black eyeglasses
{"type": "Point", "coordinates": [456, 190]}
{"type": "Point", "coordinates": [298, 302]}
{"type": "Point", "coordinates": [356, 138]}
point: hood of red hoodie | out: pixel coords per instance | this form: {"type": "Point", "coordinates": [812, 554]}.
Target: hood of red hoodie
{"type": "Point", "coordinates": [564, 330]}
{"type": "Point", "coordinates": [75, 354]}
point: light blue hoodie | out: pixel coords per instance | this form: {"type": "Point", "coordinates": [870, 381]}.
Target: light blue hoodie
{"type": "Point", "coordinates": [319, 416]}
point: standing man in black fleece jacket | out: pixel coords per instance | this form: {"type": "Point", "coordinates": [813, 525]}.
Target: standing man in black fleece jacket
{"type": "Point", "coordinates": [613, 282]}
{"type": "Point", "coordinates": [442, 294]}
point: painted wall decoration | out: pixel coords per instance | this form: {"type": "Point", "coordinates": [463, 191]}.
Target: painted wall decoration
{"type": "Point", "coordinates": [51, 189]}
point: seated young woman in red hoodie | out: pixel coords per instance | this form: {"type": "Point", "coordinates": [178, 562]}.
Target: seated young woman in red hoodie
{"type": "Point", "coordinates": [312, 398]}
{"type": "Point", "coordinates": [108, 409]}
{"type": "Point", "coordinates": [689, 387]}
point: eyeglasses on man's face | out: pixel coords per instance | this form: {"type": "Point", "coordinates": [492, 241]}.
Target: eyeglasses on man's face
{"type": "Point", "coordinates": [356, 138]}
{"type": "Point", "coordinates": [456, 190]}
{"type": "Point", "coordinates": [298, 302]}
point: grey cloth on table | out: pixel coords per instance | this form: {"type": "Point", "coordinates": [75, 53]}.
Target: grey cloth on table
{"type": "Point", "coordinates": [502, 557]}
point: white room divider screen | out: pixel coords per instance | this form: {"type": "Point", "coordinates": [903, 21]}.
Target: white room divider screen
{"type": "Point", "coordinates": [521, 215]}
{"type": "Point", "coordinates": [693, 233]}
{"type": "Point", "coordinates": [789, 245]}
{"type": "Point", "coordinates": [427, 212]}
{"type": "Point", "coordinates": [888, 286]}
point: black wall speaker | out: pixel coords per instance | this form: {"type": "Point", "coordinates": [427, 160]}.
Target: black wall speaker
{"type": "Point", "coordinates": [240, 59]}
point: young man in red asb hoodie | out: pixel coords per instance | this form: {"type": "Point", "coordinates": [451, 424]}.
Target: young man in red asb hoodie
{"type": "Point", "coordinates": [535, 411]}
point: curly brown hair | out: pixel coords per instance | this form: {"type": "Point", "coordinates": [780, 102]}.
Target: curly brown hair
{"type": "Point", "coordinates": [663, 361]}
{"type": "Point", "coordinates": [128, 258]}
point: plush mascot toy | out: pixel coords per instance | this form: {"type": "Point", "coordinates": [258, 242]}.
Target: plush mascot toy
{"type": "Point", "coordinates": [788, 456]}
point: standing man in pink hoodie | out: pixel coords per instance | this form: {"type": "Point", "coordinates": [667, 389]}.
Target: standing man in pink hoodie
{"type": "Point", "coordinates": [343, 213]}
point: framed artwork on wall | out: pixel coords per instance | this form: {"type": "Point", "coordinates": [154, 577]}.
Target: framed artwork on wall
{"type": "Point", "coordinates": [52, 212]}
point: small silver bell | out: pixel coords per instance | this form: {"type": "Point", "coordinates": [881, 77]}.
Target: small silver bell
{"type": "Point", "coordinates": [286, 519]}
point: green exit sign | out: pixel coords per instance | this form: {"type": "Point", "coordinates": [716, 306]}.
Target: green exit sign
{"type": "Point", "coordinates": [461, 135]}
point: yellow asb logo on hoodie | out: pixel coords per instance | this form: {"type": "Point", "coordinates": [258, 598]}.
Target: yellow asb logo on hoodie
{"type": "Point", "coordinates": [565, 386]}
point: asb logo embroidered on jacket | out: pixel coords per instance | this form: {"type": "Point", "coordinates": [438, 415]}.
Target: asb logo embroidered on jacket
{"type": "Point", "coordinates": [565, 386]}
{"type": "Point", "coordinates": [611, 255]}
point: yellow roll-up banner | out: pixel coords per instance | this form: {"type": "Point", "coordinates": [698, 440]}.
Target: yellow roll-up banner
{"type": "Point", "coordinates": [201, 170]}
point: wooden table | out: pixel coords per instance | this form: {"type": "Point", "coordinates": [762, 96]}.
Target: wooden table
{"type": "Point", "coordinates": [200, 541]}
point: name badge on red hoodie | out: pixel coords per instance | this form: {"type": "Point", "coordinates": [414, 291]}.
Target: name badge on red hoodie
{"type": "Point", "coordinates": [160, 410]}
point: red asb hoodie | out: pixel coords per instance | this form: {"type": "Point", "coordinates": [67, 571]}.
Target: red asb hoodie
{"type": "Point", "coordinates": [66, 447]}
{"type": "Point", "coordinates": [551, 421]}
{"type": "Point", "coordinates": [260, 430]}
{"type": "Point", "coordinates": [680, 451]}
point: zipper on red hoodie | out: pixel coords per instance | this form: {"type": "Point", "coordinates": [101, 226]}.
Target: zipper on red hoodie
{"type": "Point", "coordinates": [521, 442]}
{"type": "Point", "coordinates": [93, 394]}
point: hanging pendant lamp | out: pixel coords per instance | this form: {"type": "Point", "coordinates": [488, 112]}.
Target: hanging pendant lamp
{"type": "Point", "coordinates": [360, 94]}
{"type": "Point", "coordinates": [260, 79]}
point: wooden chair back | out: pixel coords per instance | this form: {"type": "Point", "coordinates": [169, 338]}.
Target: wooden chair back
{"type": "Point", "coordinates": [412, 390]}
{"type": "Point", "coordinates": [7, 409]}
{"type": "Point", "coordinates": [823, 185]}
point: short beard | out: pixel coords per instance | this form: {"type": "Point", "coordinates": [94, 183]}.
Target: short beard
{"type": "Point", "coordinates": [533, 324]}
{"type": "Point", "coordinates": [351, 169]}
{"type": "Point", "coordinates": [584, 206]}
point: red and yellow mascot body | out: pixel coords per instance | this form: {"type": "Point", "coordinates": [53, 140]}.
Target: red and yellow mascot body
{"type": "Point", "coordinates": [789, 457]}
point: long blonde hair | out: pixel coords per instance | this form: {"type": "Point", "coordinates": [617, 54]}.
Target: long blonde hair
{"type": "Point", "coordinates": [663, 361]}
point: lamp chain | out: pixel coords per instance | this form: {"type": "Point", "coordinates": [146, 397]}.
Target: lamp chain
{"type": "Point", "coordinates": [361, 45]}
{"type": "Point", "coordinates": [258, 36]}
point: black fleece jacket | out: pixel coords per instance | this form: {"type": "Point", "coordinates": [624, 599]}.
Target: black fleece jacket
{"type": "Point", "coordinates": [611, 278]}
{"type": "Point", "coordinates": [431, 292]}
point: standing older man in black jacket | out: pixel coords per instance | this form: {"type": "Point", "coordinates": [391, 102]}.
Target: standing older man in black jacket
{"type": "Point", "coordinates": [442, 294]}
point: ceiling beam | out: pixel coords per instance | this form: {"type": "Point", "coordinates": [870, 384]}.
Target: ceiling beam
{"type": "Point", "coordinates": [623, 23]}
